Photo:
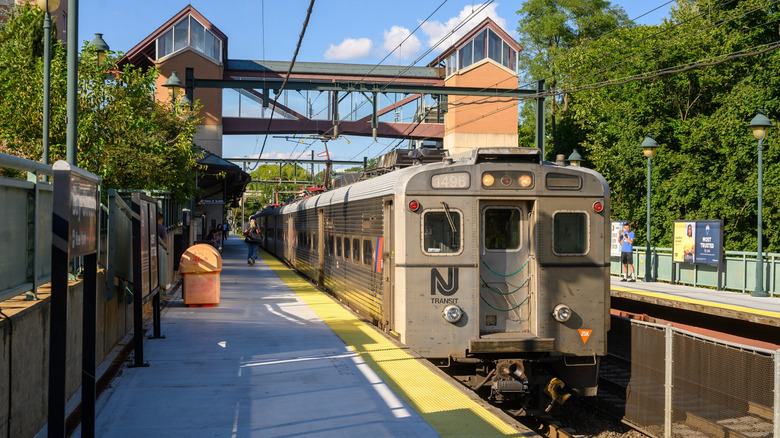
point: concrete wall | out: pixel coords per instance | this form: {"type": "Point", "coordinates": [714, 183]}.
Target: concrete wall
{"type": "Point", "coordinates": [24, 352]}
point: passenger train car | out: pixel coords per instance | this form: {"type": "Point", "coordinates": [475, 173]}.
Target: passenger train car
{"type": "Point", "coordinates": [490, 263]}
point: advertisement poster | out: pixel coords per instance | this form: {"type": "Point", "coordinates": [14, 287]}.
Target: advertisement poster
{"type": "Point", "coordinates": [697, 242]}
{"type": "Point", "coordinates": [614, 247]}
{"type": "Point", "coordinates": [708, 246]}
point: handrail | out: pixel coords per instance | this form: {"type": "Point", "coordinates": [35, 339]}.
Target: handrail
{"type": "Point", "coordinates": [11, 162]}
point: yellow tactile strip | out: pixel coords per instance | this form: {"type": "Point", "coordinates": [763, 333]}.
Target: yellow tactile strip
{"type": "Point", "coordinates": [699, 302]}
{"type": "Point", "coordinates": [445, 408]}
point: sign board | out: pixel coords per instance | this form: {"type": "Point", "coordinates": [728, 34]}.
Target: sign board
{"type": "Point", "coordinates": [212, 201]}
{"type": "Point", "coordinates": [614, 245]}
{"type": "Point", "coordinates": [697, 242]}
{"type": "Point", "coordinates": [80, 207]}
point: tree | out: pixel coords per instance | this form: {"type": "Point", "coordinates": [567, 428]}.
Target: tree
{"type": "Point", "coordinates": [706, 165]}
{"type": "Point", "coordinates": [548, 30]}
{"type": "Point", "coordinates": [124, 135]}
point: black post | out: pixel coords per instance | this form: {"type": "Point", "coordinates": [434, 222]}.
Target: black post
{"type": "Point", "coordinates": [88, 354]}
{"type": "Point", "coordinates": [58, 324]}
{"type": "Point", "coordinates": [138, 298]}
{"type": "Point", "coordinates": [156, 315]}
{"type": "Point", "coordinates": [540, 117]}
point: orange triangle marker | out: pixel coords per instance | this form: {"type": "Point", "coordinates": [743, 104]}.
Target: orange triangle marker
{"type": "Point", "coordinates": [585, 334]}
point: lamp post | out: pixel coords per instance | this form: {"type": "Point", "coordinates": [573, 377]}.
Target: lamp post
{"type": "Point", "coordinates": [759, 124]}
{"type": "Point", "coordinates": [101, 47]}
{"type": "Point", "coordinates": [648, 146]}
{"type": "Point", "coordinates": [575, 159]}
{"type": "Point", "coordinates": [174, 85]}
{"type": "Point", "coordinates": [48, 6]}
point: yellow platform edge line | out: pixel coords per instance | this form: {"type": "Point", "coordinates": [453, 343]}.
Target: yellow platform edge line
{"type": "Point", "coordinates": [447, 410]}
{"type": "Point", "coordinates": [699, 302]}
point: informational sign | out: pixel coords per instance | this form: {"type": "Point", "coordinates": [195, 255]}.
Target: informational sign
{"type": "Point", "coordinates": [697, 242]}
{"type": "Point", "coordinates": [81, 206]}
{"type": "Point", "coordinates": [614, 246]}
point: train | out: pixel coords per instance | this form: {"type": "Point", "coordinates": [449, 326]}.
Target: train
{"type": "Point", "coordinates": [492, 264]}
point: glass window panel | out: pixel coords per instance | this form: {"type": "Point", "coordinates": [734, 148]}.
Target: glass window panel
{"type": "Point", "coordinates": [570, 233]}
{"type": "Point", "coordinates": [494, 47]}
{"type": "Point", "coordinates": [212, 46]}
{"type": "Point", "coordinates": [347, 250]}
{"type": "Point", "coordinates": [502, 228]}
{"type": "Point", "coordinates": [330, 246]}
{"type": "Point", "coordinates": [355, 249]}
{"type": "Point", "coordinates": [506, 57]}
{"type": "Point", "coordinates": [197, 37]}
{"type": "Point", "coordinates": [465, 55]}
{"type": "Point", "coordinates": [368, 253]}
{"type": "Point", "coordinates": [165, 44]}
{"type": "Point", "coordinates": [439, 235]}
{"type": "Point", "coordinates": [338, 247]}
{"type": "Point", "coordinates": [479, 46]}
{"type": "Point", "coordinates": [314, 241]}
{"type": "Point", "coordinates": [180, 34]}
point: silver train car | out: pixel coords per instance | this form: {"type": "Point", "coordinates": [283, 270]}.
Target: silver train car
{"type": "Point", "coordinates": [491, 264]}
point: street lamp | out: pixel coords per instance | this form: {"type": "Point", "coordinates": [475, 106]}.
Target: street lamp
{"type": "Point", "coordinates": [648, 146]}
{"type": "Point", "coordinates": [174, 85]}
{"type": "Point", "coordinates": [759, 124]}
{"type": "Point", "coordinates": [48, 6]}
{"type": "Point", "coordinates": [575, 159]}
{"type": "Point", "coordinates": [101, 47]}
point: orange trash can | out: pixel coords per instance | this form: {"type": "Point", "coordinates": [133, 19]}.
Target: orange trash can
{"type": "Point", "coordinates": [200, 266]}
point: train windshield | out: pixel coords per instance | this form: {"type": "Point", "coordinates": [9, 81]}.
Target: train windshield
{"type": "Point", "coordinates": [441, 232]}
{"type": "Point", "coordinates": [570, 233]}
{"type": "Point", "coordinates": [502, 228]}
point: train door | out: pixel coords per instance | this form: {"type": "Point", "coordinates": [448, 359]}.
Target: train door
{"type": "Point", "coordinates": [388, 262]}
{"type": "Point", "coordinates": [505, 273]}
{"type": "Point", "coordinates": [320, 246]}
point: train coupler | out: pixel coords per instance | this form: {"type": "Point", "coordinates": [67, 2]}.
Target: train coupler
{"type": "Point", "coordinates": [555, 389]}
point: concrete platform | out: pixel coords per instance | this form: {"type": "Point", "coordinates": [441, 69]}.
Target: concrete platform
{"type": "Point", "coordinates": [265, 363]}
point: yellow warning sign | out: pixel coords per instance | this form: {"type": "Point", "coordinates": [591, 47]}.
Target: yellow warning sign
{"type": "Point", "coordinates": [585, 334]}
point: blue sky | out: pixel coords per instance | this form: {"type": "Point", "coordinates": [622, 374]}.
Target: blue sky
{"type": "Point", "coordinates": [352, 31]}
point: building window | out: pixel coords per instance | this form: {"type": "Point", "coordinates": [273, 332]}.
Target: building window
{"type": "Point", "coordinates": [479, 46]}
{"type": "Point", "coordinates": [189, 32]}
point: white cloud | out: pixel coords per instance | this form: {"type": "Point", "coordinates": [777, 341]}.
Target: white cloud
{"type": "Point", "coordinates": [395, 37]}
{"type": "Point", "coordinates": [437, 30]}
{"type": "Point", "coordinates": [350, 48]}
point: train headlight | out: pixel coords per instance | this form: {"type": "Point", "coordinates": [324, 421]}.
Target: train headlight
{"type": "Point", "coordinates": [561, 313]}
{"type": "Point", "coordinates": [488, 180]}
{"type": "Point", "coordinates": [452, 313]}
{"type": "Point", "coordinates": [525, 180]}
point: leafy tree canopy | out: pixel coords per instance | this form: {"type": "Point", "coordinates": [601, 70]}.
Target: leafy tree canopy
{"type": "Point", "coordinates": [124, 135]}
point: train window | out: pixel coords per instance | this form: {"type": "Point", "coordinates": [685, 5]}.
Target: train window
{"type": "Point", "coordinates": [368, 253]}
{"type": "Point", "coordinates": [338, 246]}
{"type": "Point", "coordinates": [314, 241]}
{"type": "Point", "coordinates": [330, 246]}
{"type": "Point", "coordinates": [347, 251]}
{"type": "Point", "coordinates": [502, 228]}
{"type": "Point", "coordinates": [570, 233]}
{"type": "Point", "coordinates": [356, 249]}
{"type": "Point", "coordinates": [441, 232]}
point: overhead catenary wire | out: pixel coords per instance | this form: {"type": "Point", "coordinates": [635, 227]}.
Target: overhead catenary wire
{"type": "Point", "coordinates": [287, 76]}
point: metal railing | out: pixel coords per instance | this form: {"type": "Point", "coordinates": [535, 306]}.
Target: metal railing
{"type": "Point", "coordinates": [25, 224]}
{"type": "Point", "coordinates": [738, 274]}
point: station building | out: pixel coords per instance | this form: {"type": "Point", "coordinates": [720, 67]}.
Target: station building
{"type": "Point", "coordinates": [486, 57]}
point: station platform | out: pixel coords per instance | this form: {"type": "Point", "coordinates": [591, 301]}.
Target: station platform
{"type": "Point", "coordinates": [727, 304]}
{"type": "Point", "coordinates": [276, 357]}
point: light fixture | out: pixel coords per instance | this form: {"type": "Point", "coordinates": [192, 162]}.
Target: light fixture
{"type": "Point", "coordinates": [649, 146]}
{"type": "Point", "coordinates": [575, 159]}
{"type": "Point", "coordinates": [48, 5]}
{"type": "Point", "coordinates": [173, 84]}
{"type": "Point", "coordinates": [561, 313]}
{"type": "Point", "coordinates": [488, 180]}
{"type": "Point", "coordinates": [452, 313]}
{"type": "Point", "coordinates": [100, 46]}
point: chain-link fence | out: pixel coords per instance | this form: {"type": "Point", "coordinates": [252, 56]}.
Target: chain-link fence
{"type": "Point", "coordinates": [682, 384]}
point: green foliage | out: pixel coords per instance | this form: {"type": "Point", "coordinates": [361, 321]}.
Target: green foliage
{"type": "Point", "coordinates": [706, 166]}
{"type": "Point", "coordinates": [272, 172]}
{"type": "Point", "coordinates": [124, 135]}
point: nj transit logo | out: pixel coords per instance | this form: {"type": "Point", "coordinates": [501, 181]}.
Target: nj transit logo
{"type": "Point", "coordinates": [445, 288]}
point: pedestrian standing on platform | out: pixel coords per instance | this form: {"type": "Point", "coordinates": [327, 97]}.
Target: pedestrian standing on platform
{"type": "Point", "coordinates": [225, 229]}
{"type": "Point", "coordinates": [162, 232]}
{"type": "Point", "coordinates": [626, 241]}
{"type": "Point", "coordinates": [252, 237]}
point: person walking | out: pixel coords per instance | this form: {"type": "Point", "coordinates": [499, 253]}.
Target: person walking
{"type": "Point", "coordinates": [252, 237]}
{"type": "Point", "coordinates": [626, 241]}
